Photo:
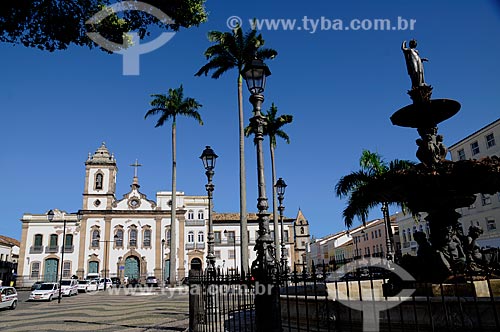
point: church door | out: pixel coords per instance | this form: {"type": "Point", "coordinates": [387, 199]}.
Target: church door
{"type": "Point", "coordinates": [132, 267]}
{"type": "Point", "coordinates": [166, 273]}
{"type": "Point", "coordinates": [50, 274]}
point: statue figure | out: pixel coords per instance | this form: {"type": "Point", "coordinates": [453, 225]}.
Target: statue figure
{"type": "Point", "coordinates": [414, 64]}
{"type": "Point", "coordinates": [474, 254]}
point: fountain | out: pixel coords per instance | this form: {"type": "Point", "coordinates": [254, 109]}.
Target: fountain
{"type": "Point", "coordinates": [438, 186]}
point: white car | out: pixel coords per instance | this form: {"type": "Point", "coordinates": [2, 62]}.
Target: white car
{"type": "Point", "coordinates": [69, 287]}
{"type": "Point", "coordinates": [8, 297]}
{"type": "Point", "coordinates": [94, 286]}
{"type": "Point", "coordinates": [46, 292]}
{"type": "Point", "coordinates": [109, 283]}
{"type": "Point", "coordinates": [83, 286]}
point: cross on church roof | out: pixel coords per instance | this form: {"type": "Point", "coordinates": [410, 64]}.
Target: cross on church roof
{"type": "Point", "coordinates": [135, 165]}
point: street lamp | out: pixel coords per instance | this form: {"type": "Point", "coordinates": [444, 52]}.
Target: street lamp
{"type": "Point", "coordinates": [234, 246]}
{"type": "Point", "coordinates": [106, 258]}
{"type": "Point", "coordinates": [280, 189]}
{"type": "Point", "coordinates": [267, 307]}
{"type": "Point", "coordinates": [388, 231]}
{"type": "Point", "coordinates": [50, 216]}
{"type": "Point", "coordinates": [209, 157]}
{"type": "Point", "coordinates": [162, 262]}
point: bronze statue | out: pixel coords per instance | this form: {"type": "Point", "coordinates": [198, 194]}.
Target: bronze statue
{"type": "Point", "coordinates": [414, 64]}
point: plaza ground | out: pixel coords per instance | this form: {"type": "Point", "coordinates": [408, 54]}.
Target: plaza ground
{"type": "Point", "coordinates": [126, 311]}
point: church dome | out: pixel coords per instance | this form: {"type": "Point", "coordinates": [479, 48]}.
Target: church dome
{"type": "Point", "coordinates": [101, 157]}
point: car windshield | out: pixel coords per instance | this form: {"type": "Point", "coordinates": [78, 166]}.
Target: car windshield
{"type": "Point", "coordinates": [66, 282]}
{"type": "Point", "coordinates": [46, 287]}
{"type": "Point", "coordinates": [82, 282]}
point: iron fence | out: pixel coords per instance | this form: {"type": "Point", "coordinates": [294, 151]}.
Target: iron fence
{"type": "Point", "coordinates": [365, 300]}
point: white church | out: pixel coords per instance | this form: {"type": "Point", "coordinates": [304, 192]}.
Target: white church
{"type": "Point", "coordinates": [130, 237]}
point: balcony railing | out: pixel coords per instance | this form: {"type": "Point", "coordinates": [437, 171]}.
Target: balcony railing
{"type": "Point", "coordinates": [195, 222]}
{"type": "Point", "coordinates": [200, 246]}
{"type": "Point", "coordinates": [68, 249]}
{"type": "Point", "coordinates": [189, 245]}
{"type": "Point", "coordinates": [36, 249]}
{"type": "Point", "coordinates": [51, 249]}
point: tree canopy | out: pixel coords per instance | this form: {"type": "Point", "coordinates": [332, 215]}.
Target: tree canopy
{"type": "Point", "coordinates": [56, 24]}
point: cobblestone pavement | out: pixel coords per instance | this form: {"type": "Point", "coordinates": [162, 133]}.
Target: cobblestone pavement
{"type": "Point", "coordinates": [103, 311]}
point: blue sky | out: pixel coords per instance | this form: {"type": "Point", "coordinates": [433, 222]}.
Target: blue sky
{"type": "Point", "coordinates": [340, 86]}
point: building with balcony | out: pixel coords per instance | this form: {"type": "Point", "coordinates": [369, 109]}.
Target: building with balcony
{"type": "Point", "coordinates": [485, 211]}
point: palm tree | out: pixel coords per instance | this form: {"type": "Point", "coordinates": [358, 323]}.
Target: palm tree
{"type": "Point", "coordinates": [232, 50]}
{"type": "Point", "coordinates": [272, 129]}
{"type": "Point", "coordinates": [169, 107]}
{"type": "Point", "coordinates": [357, 186]}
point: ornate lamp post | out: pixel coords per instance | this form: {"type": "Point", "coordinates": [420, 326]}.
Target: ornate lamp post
{"type": "Point", "coordinates": [50, 217]}
{"type": "Point", "coordinates": [267, 308]}
{"type": "Point", "coordinates": [280, 190]}
{"type": "Point", "coordinates": [208, 157]}
{"type": "Point", "coordinates": [106, 257]}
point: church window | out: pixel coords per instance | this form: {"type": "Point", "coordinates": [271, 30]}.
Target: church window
{"type": "Point", "coordinates": [133, 237]}
{"type": "Point", "coordinates": [191, 215]}
{"type": "Point", "coordinates": [38, 241]}
{"type": "Point", "coordinates": [68, 242]}
{"type": "Point", "coordinates": [201, 237]}
{"type": "Point", "coordinates": [53, 241]}
{"type": "Point", "coordinates": [190, 237]}
{"type": "Point", "coordinates": [35, 270]}
{"type": "Point", "coordinates": [66, 269]}
{"type": "Point", "coordinates": [201, 215]}
{"type": "Point", "coordinates": [167, 237]}
{"type": "Point", "coordinates": [302, 230]}
{"type": "Point", "coordinates": [119, 238]}
{"type": "Point", "coordinates": [147, 238]}
{"type": "Point", "coordinates": [98, 181]}
{"type": "Point", "coordinates": [95, 239]}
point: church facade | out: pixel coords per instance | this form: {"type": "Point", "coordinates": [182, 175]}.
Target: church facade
{"type": "Point", "coordinates": [130, 237]}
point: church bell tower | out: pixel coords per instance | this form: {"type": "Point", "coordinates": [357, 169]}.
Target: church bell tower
{"type": "Point", "coordinates": [100, 180]}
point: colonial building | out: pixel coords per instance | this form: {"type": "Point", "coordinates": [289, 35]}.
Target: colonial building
{"type": "Point", "coordinates": [130, 237]}
{"type": "Point", "coordinates": [9, 255]}
{"type": "Point", "coordinates": [485, 211]}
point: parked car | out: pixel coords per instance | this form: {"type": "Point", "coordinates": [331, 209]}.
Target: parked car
{"type": "Point", "coordinates": [94, 285]}
{"type": "Point", "coordinates": [36, 285]}
{"type": "Point", "coordinates": [109, 283]}
{"type": "Point", "coordinates": [69, 287]}
{"type": "Point", "coordinates": [8, 297]}
{"type": "Point", "coordinates": [116, 282]}
{"type": "Point", "coordinates": [83, 286]}
{"type": "Point", "coordinates": [151, 281]}
{"type": "Point", "coordinates": [46, 292]}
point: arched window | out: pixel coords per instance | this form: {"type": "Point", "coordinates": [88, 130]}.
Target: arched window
{"type": "Point", "coordinates": [201, 238]}
{"type": "Point", "coordinates": [53, 241]}
{"type": "Point", "coordinates": [95, 238]}
{"type": "Point", "coordinates": [146, 241]}
{"type": "Point", "coordinates": [190, 237]}
{"type": "Point", "coordinates": [404, 235]}
{"type": "Point", "coordinates": [133, 237]}
{"type": "Point", "coordinates": [35, 270]}
{"type": "Point", "coordinates": [38, 242]}
{"type": "Point", "coordinates": [98, 180]}
{"type": "Point", "coordinates": [119, 238]}
{"type": "Point", "coordinates": [190, 214]}
{"type": "Point", "coordinates": [201, 215]}
{"type": "Point", "coordinates": [301, 230]}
